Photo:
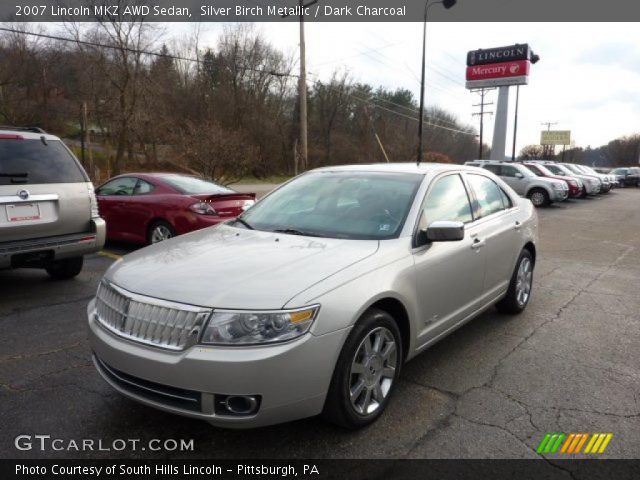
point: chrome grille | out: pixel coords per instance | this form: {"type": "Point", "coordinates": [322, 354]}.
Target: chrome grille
{"type": "Point", "coordinates": [148, 320]}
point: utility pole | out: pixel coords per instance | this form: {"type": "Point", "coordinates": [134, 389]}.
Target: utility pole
{"type": "Point", "coordinates": [375, 134]}
{"type": "Point", "coordinates": [481, 114]}
{"type": "Point", "coordinates": [302, 92]}
{"type": "Point", "coordinates": [546, 150]}
{"type": "Point", "coordinates": [302, 87]}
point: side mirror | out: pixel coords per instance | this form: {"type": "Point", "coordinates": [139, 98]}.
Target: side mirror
{"type": "Point", "coordinates": [441, 231]}
{"type": "Point", "coordinates": [519, 175]}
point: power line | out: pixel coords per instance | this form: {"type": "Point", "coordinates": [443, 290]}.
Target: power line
{"type": "Point", "coordinates": [414, 118]}
{"type": "Point", "coordinates": [138, 51]}
{"type": "Point", "coordinates": [481, 114]}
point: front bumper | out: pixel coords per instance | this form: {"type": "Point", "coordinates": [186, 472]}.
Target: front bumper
{"type": "Point", "coordinates": [64, 246]}
{"type": "Point", "coordinates": [291, 379]}
{"type": "Point", "coordinates": [592, 189]}
{"type": "Point", "coordinates": [559, 195]}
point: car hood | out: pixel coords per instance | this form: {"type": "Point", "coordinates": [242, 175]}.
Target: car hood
{"type": "Point", "coordinates": [229, 267]}
{"type": "Point", "coordinates": [552, 181]}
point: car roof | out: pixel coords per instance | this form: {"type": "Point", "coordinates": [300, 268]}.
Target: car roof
{"type": "Point", "coordinates": [27, 135]}
{"type": "Point", "coordinates": [423, 169]}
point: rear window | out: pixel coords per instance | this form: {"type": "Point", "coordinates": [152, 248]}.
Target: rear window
{"type": "Point", "coordinates": [33, 162]}
{"type": "Point", "coordinates": [194, 185]}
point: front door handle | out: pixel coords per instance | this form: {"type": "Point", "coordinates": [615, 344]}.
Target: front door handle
{"type": "Point", "coordinates": [518, 225]}
{"type": "Point", "coordinates": [477, 243]}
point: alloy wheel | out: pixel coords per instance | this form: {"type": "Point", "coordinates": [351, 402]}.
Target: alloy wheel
{"type": "Point", "coordinates": [160, 233]}
{"type": "Point", "coordinates": [523, 281]}
{"type": "Point", "coordinates": [537, 198]}
{"type": "Point", "coordinates": [373, 371]}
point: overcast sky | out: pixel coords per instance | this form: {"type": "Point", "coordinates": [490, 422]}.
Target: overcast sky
{"type": "Point", "coordinates": [588, 78]}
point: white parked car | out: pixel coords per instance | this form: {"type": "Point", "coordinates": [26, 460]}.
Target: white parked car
{"type": "Point", "coordinates": [311, 301]}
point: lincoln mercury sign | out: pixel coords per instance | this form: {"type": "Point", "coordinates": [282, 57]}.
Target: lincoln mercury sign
{"type": "Point", "coordinates": [497, 55]}
{"type": "Point", "coordinates": [555, 137]}
{"type": "Point", "coordinates": [497, 67]}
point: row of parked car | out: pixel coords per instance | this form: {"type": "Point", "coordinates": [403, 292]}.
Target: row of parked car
{"type": "Point", "coordinates": [545, 182]}
{"type": "Point", "coordinates": [51, 216]}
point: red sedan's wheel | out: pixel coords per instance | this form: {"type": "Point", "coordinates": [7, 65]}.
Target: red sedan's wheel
{"type": "Point", "coordinates": [160, 231]}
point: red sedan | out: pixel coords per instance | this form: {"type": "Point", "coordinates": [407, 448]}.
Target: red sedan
{"type": "Point", "coordinates": [151, 207]}
{"type": "Point", "coordinates": [575, 186]}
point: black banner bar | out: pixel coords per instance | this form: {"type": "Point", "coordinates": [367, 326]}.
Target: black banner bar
{"type": "Point", "coordinates": [550, 469]}
{"type": "Point", "coordinates": [322, 11]}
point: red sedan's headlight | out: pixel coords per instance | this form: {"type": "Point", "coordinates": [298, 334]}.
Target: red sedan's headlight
{"type": "Point", "coordinates": [203, 208]}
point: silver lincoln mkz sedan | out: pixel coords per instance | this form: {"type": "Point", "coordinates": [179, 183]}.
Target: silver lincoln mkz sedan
{"type": "Point", "coordinates": [311, 301]}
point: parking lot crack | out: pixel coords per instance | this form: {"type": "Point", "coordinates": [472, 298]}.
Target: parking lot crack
{"type": "Point", "coordinates": [42, 354]}
{"type": "Point", "coordinates": [20, 310]}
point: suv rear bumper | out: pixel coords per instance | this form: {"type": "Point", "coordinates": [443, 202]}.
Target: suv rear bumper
{"type": "Point", "coordinates": [63, 246]}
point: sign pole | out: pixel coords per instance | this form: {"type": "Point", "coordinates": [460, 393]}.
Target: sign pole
{"type": "Point", "coordinates": [515, 126]}
{"type": "Point", "coordinates": [500, 127]}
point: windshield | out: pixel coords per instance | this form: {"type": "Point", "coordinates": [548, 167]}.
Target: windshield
{"type": "Point", "coordinates": [559, 169]}
{"type": "Point", "coordinates": [588, 170]}
{"type": "Point", "coordinates": [36, 162]}
{"type": "Point", "coordinates": [573, 168]}
{"type": "Point", "coordinates": [344, 204]}
{"type": "Point", "coordinates": [545, 171]}
{"type": "Point", "coordinates": [194, 185]}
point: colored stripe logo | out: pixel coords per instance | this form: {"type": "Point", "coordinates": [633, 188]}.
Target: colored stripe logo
{"type": "Point", "coordinates": [573, 443]}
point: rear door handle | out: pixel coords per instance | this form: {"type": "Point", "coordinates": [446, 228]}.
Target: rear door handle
{"type": "Point", "coordinates": [477, 243]}
{"type": "Point", "coordinates": [518, 225]}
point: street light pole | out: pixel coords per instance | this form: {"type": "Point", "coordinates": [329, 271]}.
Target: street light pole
{"type": "Point", "coordinates": [446, 4]}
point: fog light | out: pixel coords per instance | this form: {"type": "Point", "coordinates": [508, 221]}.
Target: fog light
{"type": "Point", "coordinates": [237, 405]}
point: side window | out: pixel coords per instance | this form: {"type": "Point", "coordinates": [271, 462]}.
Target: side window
{"type": "Point", "coordinates": [143, 187]}
{"type": "Point", "coordinates": [493, 168]}
{"type": "Point", "coordinates": [506, 200]}
{"type": "Point", "coordinates": [118, 186]}
{"type": "Point", "coordinates": [509, 171]}
{"type": "Point", "coordinates": [447, 200]}
{"type": "Point", "coordinates": [535, 170]}
{"type": "Point", "coordinates": [489, 196]}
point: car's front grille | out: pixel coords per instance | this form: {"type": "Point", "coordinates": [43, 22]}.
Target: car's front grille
{"type": "Point", "coordinates": [163, 324]}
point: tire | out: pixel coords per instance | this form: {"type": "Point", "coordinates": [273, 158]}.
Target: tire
{"type": "Point", "coordinates": [514, 302]}
{"type": "Point", "coordinates": [65, 269]}
{"type": "Point", "coordinates": [159, 231]}
{"type": "Point", "coordinates": [539, 197]}
{"type": "Point", "coordinates": [376, 375]}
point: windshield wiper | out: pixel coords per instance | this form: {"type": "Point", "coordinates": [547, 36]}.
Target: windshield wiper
{"type": "Point", "coordinates": [246, 224]}
{"type": "Point", "coordinates": [20, 174]}
{"type": "Point", "coordinates": [18, 177]}
{"type": "Point", "coordinates": [293, 231]}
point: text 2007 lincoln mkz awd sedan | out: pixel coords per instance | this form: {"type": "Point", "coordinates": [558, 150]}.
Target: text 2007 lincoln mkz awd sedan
{"type": "Point", "coordinates": [311, 300]}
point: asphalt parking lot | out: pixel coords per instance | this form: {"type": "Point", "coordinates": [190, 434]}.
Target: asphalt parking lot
{"type": "Point", "coordinates": [570, 363]}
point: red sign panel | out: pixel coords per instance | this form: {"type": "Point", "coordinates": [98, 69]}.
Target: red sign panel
{"type": "Point", "coordinates": [518, 68]}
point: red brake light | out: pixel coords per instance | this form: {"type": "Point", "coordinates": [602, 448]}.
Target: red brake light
{"type": "Point", "coordinates": [10, 136]}
{"type": "Point", "coordinates": [203, 208]}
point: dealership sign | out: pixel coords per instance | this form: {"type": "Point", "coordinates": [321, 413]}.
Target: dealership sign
{"type": "Point", "coordinates": [555, 137]}
{"type": "Point", "coordinates": [509, 53]}
{"type": "Point", "coordinates": [497, 67]}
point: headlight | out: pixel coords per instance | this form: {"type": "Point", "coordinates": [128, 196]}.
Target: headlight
{"type": "Point", "coordinates": [559, 186]}
{"type": "Point", "coordinates": [242, 327]}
